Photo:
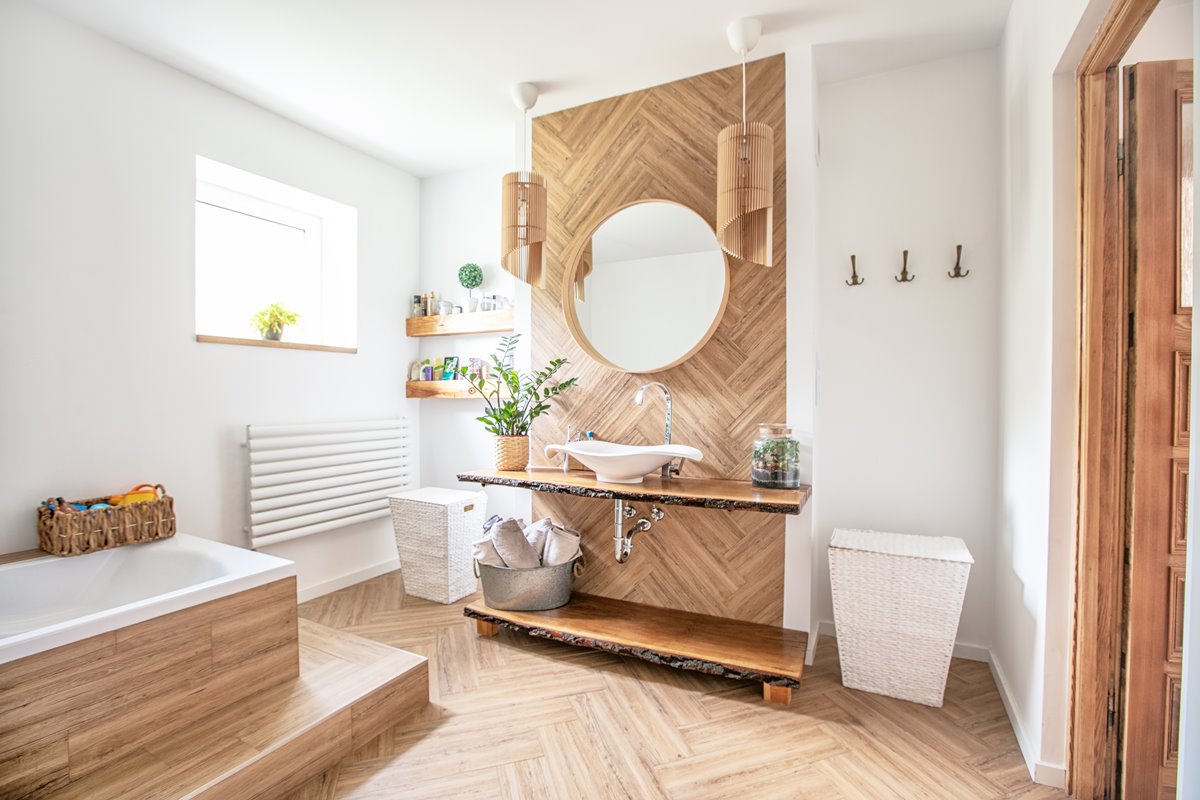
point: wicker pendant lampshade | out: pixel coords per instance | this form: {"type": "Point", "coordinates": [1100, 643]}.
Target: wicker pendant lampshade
{"type": "Point", "coordinates": [584, 269]}
{"type": "Point", "coordinates": [523, 207]}
{"type": "Point", "coordinates": [746, 172]}
{"type": "Point", "coordinates": [523, 224]}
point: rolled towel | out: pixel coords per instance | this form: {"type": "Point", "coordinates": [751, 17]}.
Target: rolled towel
{"type": "Point", "coordinates": [562, 545]}
{"type": "Point", "coordinates": [512, 545]}
{"type": "Point", "coordinates": [485, 553]}
{"type": "Point", "coordinates": [536, 534]}
{"type": "Point", "coordinates": [492, 520]}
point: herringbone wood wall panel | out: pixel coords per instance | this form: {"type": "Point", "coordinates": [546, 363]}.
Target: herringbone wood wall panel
{"type": "Point", "coordinates": [661, 143]}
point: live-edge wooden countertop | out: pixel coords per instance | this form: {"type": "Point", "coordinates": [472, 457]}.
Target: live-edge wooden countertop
{"type": "Point", "coordinates": [726, 495]}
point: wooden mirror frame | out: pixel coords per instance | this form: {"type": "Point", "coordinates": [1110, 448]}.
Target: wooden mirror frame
{"type": "Point", "coordinates": [575, 252]}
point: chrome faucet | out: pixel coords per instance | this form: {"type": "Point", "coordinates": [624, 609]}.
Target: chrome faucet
{"type": "Point", "coordinates": [668, 469]}
{"type": "Point", "coordinates": [572, 437]}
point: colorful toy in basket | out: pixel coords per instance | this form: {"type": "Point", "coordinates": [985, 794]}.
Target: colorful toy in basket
{"type": "Point", "coordinates": [139, 494]}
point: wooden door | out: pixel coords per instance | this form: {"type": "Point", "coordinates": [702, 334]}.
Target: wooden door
{"type": "Point", "coordinates": [1158, 146]}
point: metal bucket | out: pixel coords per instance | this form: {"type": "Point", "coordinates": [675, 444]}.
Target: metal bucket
{"type": "Point", "coordinates": [533, 589]}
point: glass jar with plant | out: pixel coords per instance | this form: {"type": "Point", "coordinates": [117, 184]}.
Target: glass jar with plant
{"type": "Point", "coordinates": [470, 276]}
{"type": "Point", "coordinates": [776, 462]}
{"type": "Point", "coordinates": [271, 321]}
{"type": "Point", "coordinates": [514, 400]}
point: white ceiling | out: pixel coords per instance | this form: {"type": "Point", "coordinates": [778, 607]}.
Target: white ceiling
{"type": "Point", "coordinates": [424, 84]}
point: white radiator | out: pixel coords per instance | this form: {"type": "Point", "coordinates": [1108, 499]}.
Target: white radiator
{"type": "Point", "coordinates": [306, 479]}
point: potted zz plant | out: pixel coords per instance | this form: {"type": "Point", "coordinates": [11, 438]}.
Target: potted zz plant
{"type": "Point", "coordinates": [514, 401]}
{"type": "Point", "coordinates": [271, 321]}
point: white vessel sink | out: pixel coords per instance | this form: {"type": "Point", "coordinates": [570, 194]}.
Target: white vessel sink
{"type": "Point", "coordinates": [623, 463]}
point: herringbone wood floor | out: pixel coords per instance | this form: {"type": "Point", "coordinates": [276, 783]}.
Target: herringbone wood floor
{"type": "Point", "coordinates": [514, 717]}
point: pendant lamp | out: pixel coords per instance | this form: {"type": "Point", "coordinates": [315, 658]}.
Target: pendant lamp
{"type": "Point", "coordinates": [523, 206]}
{"type": "Point", "coordinates": [746, 171]}
{"type": "Point", "coordinates": [582, 271]}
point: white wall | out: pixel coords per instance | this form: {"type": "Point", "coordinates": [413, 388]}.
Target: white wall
{"type": "Point", "coordinates": [906, 425]}
{"type": "Point", "coordinates": [104, 386]}
{"type": "Point", "coordinates": [1167, 35]}
{"type": "Point", "coordinates": [1041, 47]}
{"type": "Point", "coordinates": [460, 223]}
{"type": "Point", "coordinates": [803, 212]}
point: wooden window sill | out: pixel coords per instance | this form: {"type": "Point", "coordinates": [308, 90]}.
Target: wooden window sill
{"type": "Point", "coordinates": [324, 348]}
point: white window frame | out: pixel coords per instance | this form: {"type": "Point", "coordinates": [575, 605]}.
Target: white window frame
{"type": "Point", "coordinates": [331, 239]}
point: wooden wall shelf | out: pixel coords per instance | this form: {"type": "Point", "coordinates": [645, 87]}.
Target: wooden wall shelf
{"type": "Point", "coordinates": [320, 348]}
{"type": "Point", "coordinates": [446, 390]}
{"type": "Point", "coordinates": [500, 321]}
{"type": "Point", "coordinates": [727, 647]}
{"type": "Point", "coordinates": [725, 495]}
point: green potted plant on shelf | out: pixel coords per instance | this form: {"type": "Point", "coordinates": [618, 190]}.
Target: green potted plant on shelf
{"type": "Point", "coordinates": [470, 276]}
{"type": "Point", "coordinates": [271, 321]}
{"type": "Point", "coordinates": [514, 400]}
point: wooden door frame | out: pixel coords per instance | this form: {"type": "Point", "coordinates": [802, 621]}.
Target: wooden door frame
{"type": "Point", "coordinates": [1101, 473]}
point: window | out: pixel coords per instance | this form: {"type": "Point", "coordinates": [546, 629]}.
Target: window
{"type": "Point", "coordinates": [260, 242]}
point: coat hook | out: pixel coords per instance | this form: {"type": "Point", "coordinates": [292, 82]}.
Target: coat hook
{"type": "Point", "coordinates": [959, 272]}
{"type": "Point", "coordinates": [904, 277]}
{"type": "Point", "coordinates": [854, 279]}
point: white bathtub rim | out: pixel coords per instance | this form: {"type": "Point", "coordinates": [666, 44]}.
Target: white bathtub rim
{"type": "Point", "coordinates": [38, 640]}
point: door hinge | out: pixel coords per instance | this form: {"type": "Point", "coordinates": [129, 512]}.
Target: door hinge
{"type": "Point", "coordinates": [1132, 330]}
{"type": "Point", "coordinates": [1112, 709]}
{"type": "Point", "coordinates": [1120, 158]}
{"type": "Point", "coordinates": [1132, 83]}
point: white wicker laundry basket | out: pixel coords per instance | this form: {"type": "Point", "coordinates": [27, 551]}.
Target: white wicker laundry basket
{"type": "Point", "coordinates": [434, 531]}
{"type": "Point", "coordinates": [896, 603]}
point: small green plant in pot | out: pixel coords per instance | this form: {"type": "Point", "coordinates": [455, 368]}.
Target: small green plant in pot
{"type": "Point", "coordinates": [470, 276]}
{"type": "Point", "coordinates": [271, 321]}
{"type": "Point", "coordinates": [514, 401]}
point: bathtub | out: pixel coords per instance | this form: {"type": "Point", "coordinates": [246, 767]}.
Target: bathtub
{"type": "Point", "coordinates": [49, 601]}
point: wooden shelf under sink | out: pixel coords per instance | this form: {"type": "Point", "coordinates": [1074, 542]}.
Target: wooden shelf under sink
{"type": "Point", "coordinates": [681, 639]}
{"type": "Point", "coordinates": [725, 495]}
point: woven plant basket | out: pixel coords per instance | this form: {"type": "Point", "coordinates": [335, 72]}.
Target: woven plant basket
{"type": "Point", "coordinates": [511, 453]}
{"type": "Point", "coordinates": [75, 533]}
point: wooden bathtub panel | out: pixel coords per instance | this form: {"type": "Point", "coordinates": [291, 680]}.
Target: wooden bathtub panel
{"type": "Point", "coordinates": [250, 631]}
{"type": "Point", "coordinates": [27, 678]}
{"type": "Point", "coordinates": [39, 766]}
{"type": "Point", "coordinates": [104, 697]}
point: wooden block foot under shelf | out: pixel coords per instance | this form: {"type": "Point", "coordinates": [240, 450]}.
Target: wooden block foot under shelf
{"type": "Point", "coordinates": [349, 691]}
{"type": "Point", "coordinates": [715, 645]}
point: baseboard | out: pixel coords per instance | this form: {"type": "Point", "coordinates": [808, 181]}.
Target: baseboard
{"type": "Point", "coordinates": [1054, 775]}
{"type": "Point", "coordinates": [307, 593]}
{"type": "Point", "coordinates": [971, 652]}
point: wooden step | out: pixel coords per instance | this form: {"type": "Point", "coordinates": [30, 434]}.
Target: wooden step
{"type": "Point", "coordinates": [349, 691]}
{"type": "Point", "coordinates": [681, 639]}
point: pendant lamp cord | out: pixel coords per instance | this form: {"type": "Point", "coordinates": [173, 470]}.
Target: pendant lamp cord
{"type": "Point", "coordinates": [524, 149]}
{"type": "Point", "coordinates": [743, 89]}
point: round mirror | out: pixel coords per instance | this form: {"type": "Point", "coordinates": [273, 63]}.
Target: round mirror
{"type": "Point", "coordinates": [648, 289]}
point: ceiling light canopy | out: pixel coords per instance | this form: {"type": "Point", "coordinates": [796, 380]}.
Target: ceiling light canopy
{"type": "Point", "coordinates": [746, 171]}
